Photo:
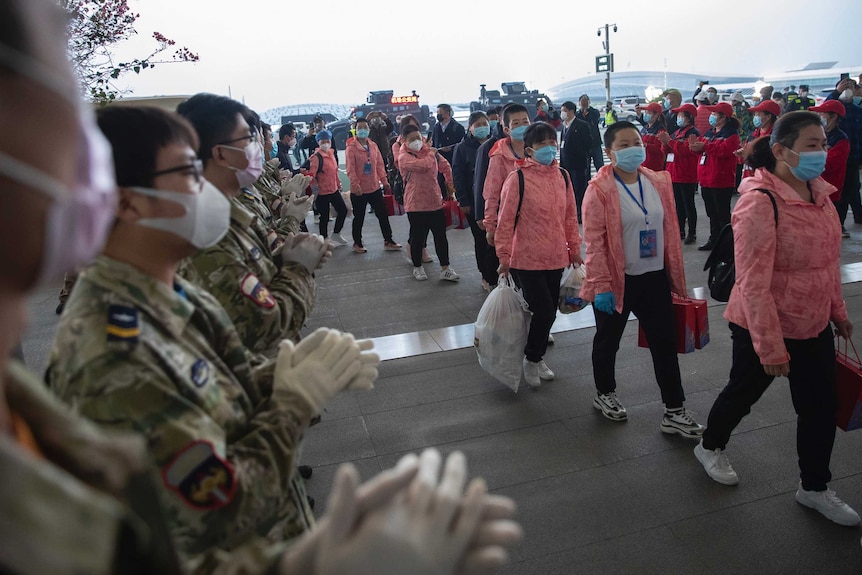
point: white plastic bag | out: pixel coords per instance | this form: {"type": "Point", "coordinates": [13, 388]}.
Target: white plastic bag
{"type": "Point", "coordinates": [570, 289]}
{"type": "Point", "coordinates": [500, 333]}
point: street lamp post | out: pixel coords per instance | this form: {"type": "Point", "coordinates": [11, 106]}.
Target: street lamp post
{"type": "Point", "coordinates": [607, 46]}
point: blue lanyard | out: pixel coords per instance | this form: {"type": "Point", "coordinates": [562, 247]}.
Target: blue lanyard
{"type": "Point", "coordinates": [642, 203]}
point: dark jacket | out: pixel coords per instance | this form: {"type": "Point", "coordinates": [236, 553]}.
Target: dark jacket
{"type": "Point", "coordinates": [479, 173]}
{"type": "Point", "coordinates": [464, 168]}
{"type": "Point", "coordinates": [851, 124]}
{"type": "Point", "coordinates": [591, 117]}
{"type": "Point", "coordinates": [575, 146]}
{"type": "Point", "coordinates": [453, 134]}
{"type": "Point", "coordinates": [285, 159]}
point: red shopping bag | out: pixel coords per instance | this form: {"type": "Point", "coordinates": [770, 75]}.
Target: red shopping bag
{"type": "Point", "coordinates": [848, 379]}
{"type": "Point", "coordinates": [455, 218]}
{"type": "Point", "coordinates": [393, 208]}
{"type": "Point", "coordinates": [686, 316]}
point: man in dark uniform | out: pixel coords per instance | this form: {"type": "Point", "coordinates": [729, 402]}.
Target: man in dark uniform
{"type": "Point", "coordinates": [446, 135]}
{"type": "Point", "coordinates": [576, 144]}
{"type": "Point", "coordinates": [801, 101]}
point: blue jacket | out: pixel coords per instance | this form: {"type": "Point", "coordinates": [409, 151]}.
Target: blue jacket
{"type": "Point", "coordinates": [463, 169]}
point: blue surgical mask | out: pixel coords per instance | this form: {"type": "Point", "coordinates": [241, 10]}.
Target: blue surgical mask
{"type": "Point", "coordinates": [273, 153]}
{"type": "Point", "coordinates": [362, 133]}
{"type": "Point", "coordinates": [758, 121]}
{"type": "Point", "coordinates": [518, 133]}
{"type": "Point", "coordinates": [647, 117]}
{"type": "Point", "coordinates": [713, 120]}
{"type": "Point", "coordinates": [680, 120]}
{"type": "Point", "coordinates": [481, 132]}
{"type": "Point", "coordinates": [494, 124]}
{"type": "Point", "coordinates": [811, 165]}
{"type": "Point", "coordinates": [629, 159]}
{"type": "Point", "coordinates": [857, 100]}
{"type": "Point", "coordinates": [545, 155]}
{"type": "Point", "coordinates": [666, 104]}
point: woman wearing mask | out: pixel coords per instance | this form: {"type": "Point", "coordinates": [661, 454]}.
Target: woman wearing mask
{"type": "Point", "coordinates": [419, 164]}
{"type": "Point", "coordinates": [408, 120]}
{"type": "Point", "coordinates": [323, 168]}
{"type": "Point", "coordinates": [682, 167]}
{"type": "Point", "coordinates": [463, 171]}
{"type": "Point", "coordinates": [763, 118]}
{"type": "Point", "coordinates": [537, 237]}
{"type": "Point", "coordinates": [777, 332]}
{"type": "Point", "coordinates": [634, 264]}
{"type": "Point", "coordinates": [654, 127]}
{"type": "Point", "coordinates": [716, 171]}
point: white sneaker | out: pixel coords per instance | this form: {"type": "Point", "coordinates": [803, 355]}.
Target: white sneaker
{"type": "Point", "coordinates": [449, 275]}
{"type": "Point", "coordinates": [610, 406]}
{"type": "Point", "coordinates": [419, 274]}
{"type": "Point", "coordinates": [828, 504]}
{"type": "Point", "coordinates": [716, 464]}
{"type": "Point", "coordinates": [550, 339]}
{"type": "Point", "coordinates": [337, 239]}
{"type": "Point", "coordinates": [545, 372]}
{"type": "Point", "coordinates": [680, 421]}
{"type": "Point", "coordinates": [531, 373]}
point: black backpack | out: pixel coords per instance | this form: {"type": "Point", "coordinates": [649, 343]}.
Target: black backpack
{"type": "Point", "coordinates": [720, 263]}
{"type": "Point", "coordinates": [307, 163]}
{"type": "Point", "coordinates": [521, 191]}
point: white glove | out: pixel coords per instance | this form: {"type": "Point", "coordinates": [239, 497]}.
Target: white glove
{"type": "Point", "coordinates": [273, 162]}
{"type": "Point", "coordinates": [295, 186]}
{"type": "Point", "coordinates": [296, 206]}
{"type": "Point", "coordinates": [369, 360]}
{"type": "Point", "coordinates": [306, 249]}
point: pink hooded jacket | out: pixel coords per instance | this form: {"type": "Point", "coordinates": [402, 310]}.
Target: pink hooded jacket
{"type": "Point", "coordinates": [547, 231]}
{"type": "Point", "coordinates": [327, 181]}
{"type": "Point", "coordinates": [788, 279]}
{"type": "Point", "coordinates": [419, 170]}
{"type": "Point", "coordinates": [603, 233]}
{"type": "Point", "coordinates": [501, 162]}
{"type": "Point", "coordinates": [357, 156]}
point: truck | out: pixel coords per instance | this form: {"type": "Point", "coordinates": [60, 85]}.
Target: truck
{"type": "Point", "coordinates": [509, 92]}
{"type": "Point", "coordinates": [382, 101]}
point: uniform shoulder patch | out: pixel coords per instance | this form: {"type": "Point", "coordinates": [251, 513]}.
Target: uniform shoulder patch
{"type": "Point", "coordinates": [254, 289]}
{"type": "Point", "coordinates": [123, 324]}
{"type": "Point", "coordinates": [201, 478]}
{"type": "Point", "coordinates": [273, 240]}
{"type": "Point", "coordinates": [200, 373]}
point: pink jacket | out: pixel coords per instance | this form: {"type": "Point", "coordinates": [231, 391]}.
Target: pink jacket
{"type": "Point", "coordinates": [327, 182]}
{"type": "Point", "coordinates": [396, 147]}
{"type": "Point", "coordinates": [357, 156]}
{"type": "Point", "coordinates": [603, 233]}
{"type": "Point", "coordinates": [501, 162]}
{"type": "Point", "coordinates": [788, 279]}
{"type": "Point", "coordinates": [419, 170]}
{"type": "Point", "coordinates": [547, 231]}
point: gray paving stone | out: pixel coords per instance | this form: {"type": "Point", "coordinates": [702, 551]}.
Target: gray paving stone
{"type": "Point", "coordinates": [336, 441]}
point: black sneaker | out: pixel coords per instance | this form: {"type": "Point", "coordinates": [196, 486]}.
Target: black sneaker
{"type": "Point", "coordinates": [305, 471]}
{"type": "Point", "coordinates": [706, 247]}
{"type": "Point", "coordinates": [690, 240]}
{"type": "Point", "coordinates": [60, 307]}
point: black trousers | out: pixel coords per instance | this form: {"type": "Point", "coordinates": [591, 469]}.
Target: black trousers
{"type": "Point", "coordinates": [717, 201]}
{"type": "Point", "coordinates": [598, 157]}
{"type": "Point", "coordinates": [648, 297]}
{"type": "Point", "coordinates": [850, 194]}
{"type": "Point", "coordinates": [480, 246]}
{"type": "Point", "coordinates": [580, 178]}
{"type": "Point", "coordinates": [420, 224]}
{"type": "Point", "coordinates": [378, 204]}
{"type": "Point", "coordinates": [812, 387]}
{"type": "Point", "coordinates": [323, 203]}
{"type": "Point", "coordinates": [541, 289]}
{"type": "Point", "coordinates": [683, 194]}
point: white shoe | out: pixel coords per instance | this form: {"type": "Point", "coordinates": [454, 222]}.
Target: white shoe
{"type": "Point", "coordinates": [610, 406]}
{"type": "Point", "coordinates": [716, 464]}
{"type": "Point", "coordinates": [337, 239]}
{"type": "Point", "coordinates": [680, 421]}
{"type": "Point", "coordinates": [449, 275]}
{"type": "Point", "coordinates": [419, 274]}
{"type": "Point", "coordinates": [545, 372]}
{"type": "Point", "coordinates": [550, 339]}
{"type": "Point", "coordinates": [828, 504]}
{"type": "Point", "coordinates": [531, 373]}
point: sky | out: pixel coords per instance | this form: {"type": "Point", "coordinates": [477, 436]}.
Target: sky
{"type": "Point", "coordinates": [272, 53]}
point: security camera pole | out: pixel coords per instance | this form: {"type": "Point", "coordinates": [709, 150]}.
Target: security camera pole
{"type": "Point", "coordinates": [606, 63]}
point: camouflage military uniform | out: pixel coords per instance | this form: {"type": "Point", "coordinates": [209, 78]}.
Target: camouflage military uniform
{"type": "Point", "coordinates": [746, 121]}
{"type": "Point", "coordinates": [266, 301]}
{"type": "Point", "coordinates": [135, 354]}
{"type": "Point", "coordinates": [265, 201]}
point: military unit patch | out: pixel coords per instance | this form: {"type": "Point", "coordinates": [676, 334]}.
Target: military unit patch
{"type": "Point", "coordinates": [123, 324]}
{"type": "Point", "coordinates": [200, 373]}
{"type": "Point", "coordinates": [202, 478]}
{"type": "Point", "coordinates": [255, 253]}
{"type": "Point", "coordinates": [253, 289]}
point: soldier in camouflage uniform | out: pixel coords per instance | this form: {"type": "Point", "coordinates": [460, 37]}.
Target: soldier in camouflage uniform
{"type": "Point", "coordinates": [268, 297]}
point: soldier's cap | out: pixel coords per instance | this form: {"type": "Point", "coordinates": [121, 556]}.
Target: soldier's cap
{"type": "Point", "coordinates": [721, 108]}
{"type": "Point", "coordinates": [827, 106]}
{"type": "Point", "coordinates": [653, 108]}
{"type": "Point", "coordinates": [738, 97]}
{"type": "Point", "coordinates": [687, 108]}
{"type": "Point", "coordinates": [770, 106]}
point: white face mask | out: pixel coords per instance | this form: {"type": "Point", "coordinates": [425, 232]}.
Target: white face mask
{"type": "Point", "coordinates": [325, 147]}
{"type": "Point", "coordinates": [846, 95]}
{"type": "Point", "coordinates": [205, 222]}
{"type": "Point", "coordinates": [415, 145]}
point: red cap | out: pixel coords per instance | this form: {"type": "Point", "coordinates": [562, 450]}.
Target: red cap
{"type": "Point", "coordinates": [833, 106]}
{"type": "Point", "coordinates": [654, 108]}
{"type": "Point", "coordinates": [721, 108]}
{"type": "Point", "coordinates": [769, 106]}
{"type": "Point", "coordinates": [688, 108]}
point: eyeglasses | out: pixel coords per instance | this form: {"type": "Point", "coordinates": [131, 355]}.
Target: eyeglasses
{"type": "Point", "coordinates": [196, 168]}
{"type": "Point", "coordinates": [251, 138]}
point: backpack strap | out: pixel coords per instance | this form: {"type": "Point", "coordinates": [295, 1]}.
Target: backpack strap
{"type": "Point", "coordinates": [520, 196]}
{"type": "Point", "coordinates": [774, 205]}
{"type": "Point", "coordinates": [565, 176]}
{"type": "Point", "coordinates": [319, 163]}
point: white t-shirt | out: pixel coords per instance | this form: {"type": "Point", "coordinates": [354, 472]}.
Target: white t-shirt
{"type": "Point", "coordinates": [633, 224]}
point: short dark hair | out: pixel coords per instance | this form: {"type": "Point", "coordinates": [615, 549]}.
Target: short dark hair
{"type": "Point", "coordinates": [360, 121]}
{"type": "Point", "coordinates": [445, 107]}
{"type": "Point", "coordinates": [213, 117]}
{"type": "Point", "coordinates": [136, 134]}
{"type": "Point", "coordinates": [286, 130]}
{"type": "Point", "coordinates": [785, 132]}
{"type": "Point", "coordinates": [538, 132]}
{"type": "Point", "coordinates": [476, 116]}
{"type": "Point", "coordinates": [614, 129]}
{"type": "Point", "coordinates": [494, 110]}
{"type": "Point", "coordinates": [409, 129]}
{"type": "Point", "coordinates": [265, 128]}
{"type": "Point", "coordinates": [408, 120]}
{"type": "Point", "coordinates": [510, 109]}
{"type": "Point", "coordinates": [569, 105]}
{"type": "Point", "coordinates": [252, 118]}
{"type": "Point", "coordinates": [582, 96]}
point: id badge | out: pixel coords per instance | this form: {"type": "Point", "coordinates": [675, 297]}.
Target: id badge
{"type": "Point", "coordinates": [648, 243]}
{"type": "Point", "coordinates": [366, 169]}
{"type": "Point", "coordinates": [703, 160]}
{"type": "Point", "coordinates": [669, 158]}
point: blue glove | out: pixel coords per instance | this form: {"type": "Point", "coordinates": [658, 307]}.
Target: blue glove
{"type": "Point", "coordinates": [605, 302]}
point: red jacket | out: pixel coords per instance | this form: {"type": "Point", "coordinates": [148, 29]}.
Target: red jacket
{"type": "Point", "coordinates": [327, 181]}
{"type": "Point", "coordinates": [683, 168]}
{"type": "Point", "coordinates": [419, 170]}
{"type": "Point", "coordinates": [357, 157]}
{"type": "Point", "coordinates": [655, 152]}
{"type": "Point", "coordinates": [748, 171]}
{"type": "Point", "coordinates": [718, 169]}
{"type": "Point", "coordinates": [836, 161]}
